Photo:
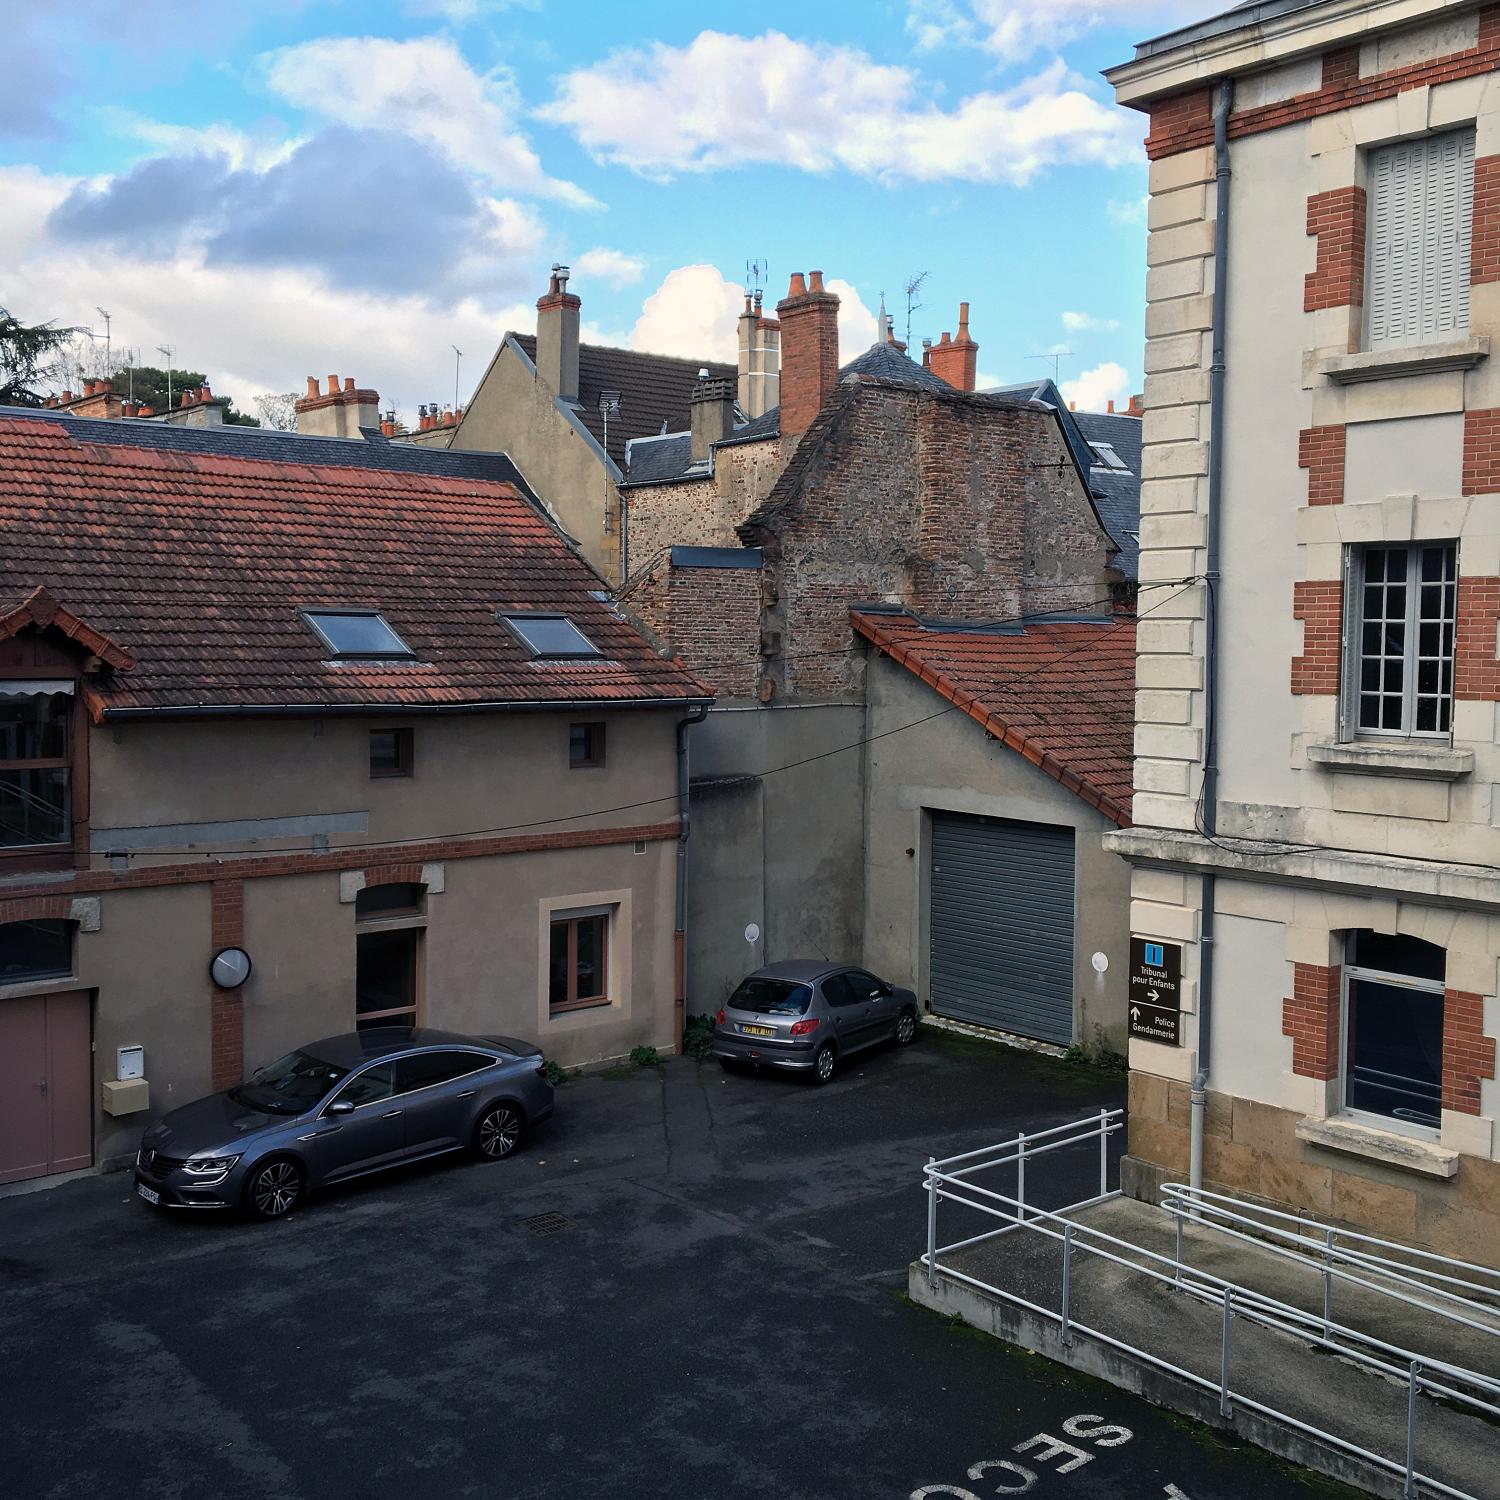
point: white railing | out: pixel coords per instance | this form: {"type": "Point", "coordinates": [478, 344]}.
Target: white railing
{"type": "Point", "coordinates": [951, 1180]}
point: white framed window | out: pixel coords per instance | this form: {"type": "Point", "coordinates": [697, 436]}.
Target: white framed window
{"type": "Point", "coordinates": [1420, 206]}
{"type": "Point", "coordinates": [1400, 605]}
{"type": "Point", "coordinates": [1393, 1031]}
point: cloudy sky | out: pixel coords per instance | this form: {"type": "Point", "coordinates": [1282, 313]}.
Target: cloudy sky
{"type": "Point", "coordinates": [356, 186]}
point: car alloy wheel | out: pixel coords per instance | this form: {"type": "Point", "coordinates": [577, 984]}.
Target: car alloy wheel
{"type": "Point", "coordinates": [823, 1065]}
{"type": "Point", "coordinates": [499, 1132]}
{"type": "Point", "coordinates": [906, 1029]}
{"type": "Point", "coordinates": [275, 1189]}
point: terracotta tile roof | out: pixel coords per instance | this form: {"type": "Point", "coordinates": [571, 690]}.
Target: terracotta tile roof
{"type": "Point", "coordinates": [1061, 693]}
{"type": "Point", "coordinates": [195, 565]}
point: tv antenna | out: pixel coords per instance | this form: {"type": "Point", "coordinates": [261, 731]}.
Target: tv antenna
{"type": "Point", "coordinates": [756, 272]}
{"type": "Point", "coordinates": [109, 367]}
{"type": "Point", "coordinates": [458, 355]}
{"type": "Point", "coordinates": [911, 286]}
{"type": "Point", "coordinates": [1056, 356]}
{"type": "Point", "coordinates": [167, 350]}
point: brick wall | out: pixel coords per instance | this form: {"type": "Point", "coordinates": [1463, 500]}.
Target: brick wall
{"type": "Point", "coordinates": [1484, 242]}
{"type": "Point", "coordinates": [1476, 672]}
{"type": "Point", "coordinates": [1481, 474]}
{"type": "Point", "coordinates": [1320, 450]}
{"type": "Point", "coordinates": [1337, 219]}
{"type": "Point", "coordinates": [37, 909]}
{"type": "Point", "coordinates": [227, 1034]}
{"type": "Point", "coordinates": [1319, 604]}
{"type": "Point", "coordinates": [1468, 1054]}
{"type": "Point", "coordinates": [809, 320]}
{"type": "Point", "coordinates": [1179, 122]}
{"type": "Point", "coordinates": [1310, 1016]}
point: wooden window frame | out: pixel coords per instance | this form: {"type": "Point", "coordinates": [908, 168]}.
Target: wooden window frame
{"type": "Point", "coordinates": [570, 920]}
{"type": "Point", "coordinates": [405, 755]}
{"type": "Point", "coordinates": [72, 851]}
{"type": "Point", "coordinates": [405, 1015]}
{"type": "Point", "coordinates": [594, 731]}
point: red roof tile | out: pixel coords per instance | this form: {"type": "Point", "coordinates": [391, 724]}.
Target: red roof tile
{"type": "Point", "coordinates": [196, 565]}
{"type": "Point", "coordinates": [1061, 693]}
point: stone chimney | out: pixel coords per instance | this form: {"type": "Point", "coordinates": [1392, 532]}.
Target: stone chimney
{"type": "Point", "coordinates": [809, 318]}
{"type": "Point", "coordinates": [340, 411]}
{"type": "Point", "coordinates": [760, 359]}
{"type": "Point", "coordinates": [197, 408]}
{"type": "Point", "coordinates": [956, 360]}
{"type": "Point", "coordinates": [99, 399]}
{"type": "Point", "coordinates": [557, 337]}
{"type": "Point", "coordinates": [713, 414]}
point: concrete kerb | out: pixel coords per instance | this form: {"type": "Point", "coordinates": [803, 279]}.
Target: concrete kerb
{"type": "Point", "coordinates": [990, 1034]}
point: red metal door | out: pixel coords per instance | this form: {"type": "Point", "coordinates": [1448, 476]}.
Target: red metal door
{"type": "Point", "coordinates": [46, 1085]}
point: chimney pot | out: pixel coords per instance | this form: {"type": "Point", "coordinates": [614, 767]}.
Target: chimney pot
{"type": "Point", "coordinates": [797, 287]}
{"type": "Point", "coordinates": [1072, 406]}
{"type": "Point", "coordinates": [204, 394]}
{"type": "Point", "coordinates": [67, 397]}
{"type": "Point", "coordinates": [815, 281]}
{"type": "Point", "coordinates": [333, 385]}
{"type": "Point", "coordinates": [312, 386]}
{"type": "Point", "coordinates": [145, 409]}
{"type": "Point", "coordinates": [187, 399]}
{"type": "Point", "coordinates": [1109, 406]}
{"type": "Point", "coordinates": [956, 360]}
{"type": "Point", "coordinates": [963, 320]}
{"type": "Point", "coordinates": [348, 382]}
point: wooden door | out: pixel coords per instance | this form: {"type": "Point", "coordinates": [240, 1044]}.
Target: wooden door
{"type": "Point", "coordinates": [46, 1085]}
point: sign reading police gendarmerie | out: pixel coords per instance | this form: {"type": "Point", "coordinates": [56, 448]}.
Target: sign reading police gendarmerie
{"type": "Point", "coordinates": [1155, 991]}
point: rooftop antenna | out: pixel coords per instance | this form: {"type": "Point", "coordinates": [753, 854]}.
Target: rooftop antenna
{"type": "Point", "coordinates": [458, 355]}
{"type": "Point", "coordinates": [756, 271]}
{"type": "Point", "coordinates": [109, 366]}
{"type": "Point", "coordinates": [1056, 356]}
{"type": "Point", "coordinates": [911, 287]}
{"type": "Point", "coordinates": [167, 350]}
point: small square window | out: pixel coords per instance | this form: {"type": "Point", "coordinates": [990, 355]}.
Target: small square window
{"type": "Point", "coordinates": [361, 634]}
{"type": "Point", "coordinates": [585, 745]}
{"type": "Point", "coordinates": [553, 637]}
{"type": "Point", "coordinates": [40, 949]}
{"type": "Point", "coordinates": [390, 752]}
{"type": "Point", "coordinates": [398, 899]}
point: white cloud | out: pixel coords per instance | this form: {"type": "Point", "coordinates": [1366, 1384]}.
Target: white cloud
{"type": "Point", "coordinates": [460, 12]}
{"type": "Point", "coordinates": [425, 89]}
{"type": "Point", "coordinates": [238, 148]}
{"type": "Point", "coordinates": [1094, 388]}
{"type": "Point", "coordinates": [1080, 322]}
{"type": "Point", "coordinates": [1014, 29]}
{"type": "Point", "coordinates": [612, 266]}
{"type": "Point", "coordinates": [725, 101]}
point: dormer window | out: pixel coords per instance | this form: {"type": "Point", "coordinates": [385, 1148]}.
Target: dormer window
{"type": "Point", "coordinates": [357, 635]}
{"type": "Point", "coordinates": [551, 637]}
{"type": "Point", "coordinates": [1105, 456]}
{"type": "Point", "coordinates": [35, 763]}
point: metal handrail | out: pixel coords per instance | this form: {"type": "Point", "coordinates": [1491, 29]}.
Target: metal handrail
{"type": "Point", "coordinates": [1455, 1383]}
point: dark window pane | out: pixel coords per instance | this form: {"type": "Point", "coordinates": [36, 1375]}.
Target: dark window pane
{"type": "Point", "coordinates": [1374, 565]}
{"type": "Point", "coordinates": [837, 992]}
{"type": "Point", "coordinates": [359, 634]}
{"type": "Point", "coordinates": [1369, 675]}
{"type": "Point", "coordinates": [586, 745]}
{"type": "Point", "coordinates": [551, 635]}
{"type": "Point", "coordinates": [557, 971]}
{"type": "Point", "coordinates": [864, 986]}
{"type": "Point", "coordinates": [385, 974]}
{"type": "Point", "coordinates": [1395, 564]}
{"type": "Point", "coordinates": [1395, 954]}
{"type": "Point", "coordinates": [34, 726]}
{"type": "Point", "coordinates": [1372, 639]}
{"type": "Point", "coordinates": [429, 1068]}
{"type": "Point", "coordinates": [1395, 670]}
{"type": "Point", "coordinates": [592, 980]}
{"type": "Point", "coordinates": [1390, 716]}
{"type": "Point", "coordinates": [390, 752]}
{"type": "Point", "coordinates": [34, 807]}
{"type": "Point", "coordinates": [374, 1083]}
{"type": "Point", "coordinates": [36, 950]}
{"type": "Point", "coordinates": [774, 997]}
{"type": "Point", "coordinates": [1395, 1052]}
{"type": "Point", "coordinates": [388, 900]}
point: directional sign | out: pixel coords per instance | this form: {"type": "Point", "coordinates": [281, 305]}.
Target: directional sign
{"type": "Point", "coordinates": [1156, 991]}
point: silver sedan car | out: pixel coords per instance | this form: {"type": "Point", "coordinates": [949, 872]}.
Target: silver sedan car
{"type": "Point", "coordinates": [341, 1108]}
{"type": "Point", "coordinates": [809, 1015]}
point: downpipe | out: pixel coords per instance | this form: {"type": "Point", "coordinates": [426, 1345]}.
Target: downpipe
{"type": "Point", "coordinates": [1223, 99]}
{"type": "Point", "coordinates": [696, 715]}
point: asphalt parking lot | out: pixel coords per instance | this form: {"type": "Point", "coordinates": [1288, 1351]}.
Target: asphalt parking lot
{"type": "Point", "coordinates": [720, 1312]}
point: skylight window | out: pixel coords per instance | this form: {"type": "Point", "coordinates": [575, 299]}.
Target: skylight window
{"type": "Point", "coordinates": [357, 634]}
{"type": "Point", "coordinates": [551, 637]}
{"type": "Point", "coordinates": [1105, 453]}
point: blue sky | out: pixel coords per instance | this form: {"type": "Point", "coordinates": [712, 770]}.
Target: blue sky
{"type": "Point", "coordinates": [316, 186]}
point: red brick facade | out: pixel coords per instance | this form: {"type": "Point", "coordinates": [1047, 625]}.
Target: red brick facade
{"type": "Point", "coordinates": [1184, 121]}
{"type": "Point", "coordinates": [1310, 1016]}
{"type": "Point", "coordinates": [36, 909]}
{"type": "Point", "coordinates": [809, 351]}
{"type": "Point", "coordinates": [1481, 474]}
{"type": "Point", "coordinates": [227, 1039]}
{"type": "Point", "coordinates": [405, 874]}
{"type": "Point", "coordinates": [1319, 604]}
{"type": "Point", "coordinates": [1468, 1054]}
{"type": "Point", "coordinates": [1337, 219]}
{"type": "Point", "coordinates": [1476, 671]}
{"type": "Point", "coordinates": [1320, 450]}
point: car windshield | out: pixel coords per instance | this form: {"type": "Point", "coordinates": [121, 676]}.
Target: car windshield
{"type": "Point", "coordinates": [289, 1085]}
{"type": "Point", "coordinates": [772, 997]}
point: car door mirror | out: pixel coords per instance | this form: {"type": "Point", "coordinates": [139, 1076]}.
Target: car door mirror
{"type": "Point", "coordinates": [885, 991]}
{"type": "Point", "coordinates": [341, 1107]}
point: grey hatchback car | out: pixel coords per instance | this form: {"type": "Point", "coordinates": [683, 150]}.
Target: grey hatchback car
{"type": "Point", "coordinates": [808, 1015]}
{"type": "Point", "coordinates": [341, 1108]}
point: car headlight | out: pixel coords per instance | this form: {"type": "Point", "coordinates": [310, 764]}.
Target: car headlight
{"type": "Point", "coordinates": [210, 1169]}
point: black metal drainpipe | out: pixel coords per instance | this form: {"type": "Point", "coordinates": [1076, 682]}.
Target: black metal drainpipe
{"type": "Point", "coordinates": [679, 934]}
{"type": "Point", "coordinates": [1222, 101]}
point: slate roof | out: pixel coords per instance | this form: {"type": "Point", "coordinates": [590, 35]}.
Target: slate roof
{"type": "Point", "coordinates": [886, 362]}
{"type": "Point", "coordinates": [1059, 692]}
{"type": "Point", "coordinates": [1252, 13]}
{"type": "Point", "coordinates": [194, 564]}
{"type": "Point", "coordinates": [653, 460]}
{"type": "Point", "coordinates": [654, 388]}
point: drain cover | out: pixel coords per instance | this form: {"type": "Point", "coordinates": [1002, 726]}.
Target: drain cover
{"type": "Point", "coordinates": [548, 1223]}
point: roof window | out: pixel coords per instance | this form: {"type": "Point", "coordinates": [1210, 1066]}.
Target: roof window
{"type": "Point", "coordinates": [1106, 455]}
{"type": "Point", "coordinates": [551, 637]}
{"type": "Point", "coordinates": [359, 634]}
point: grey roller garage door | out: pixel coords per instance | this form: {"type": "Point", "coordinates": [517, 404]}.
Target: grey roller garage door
{"type": "Point", "coordinates": [1002, 924]}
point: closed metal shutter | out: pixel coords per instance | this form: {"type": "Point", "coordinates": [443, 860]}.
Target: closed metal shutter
{"type": "Point", "coordinates": [1001, 925]}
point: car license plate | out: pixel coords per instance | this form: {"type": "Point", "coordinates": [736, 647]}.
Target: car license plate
{"type": "Point", "coordinates": [147, 1193]}
{"type": "Point", "coordinates": [758, 1030]}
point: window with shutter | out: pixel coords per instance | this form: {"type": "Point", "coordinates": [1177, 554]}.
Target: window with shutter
{"type": "Point", "coordinates": [1421, 204]}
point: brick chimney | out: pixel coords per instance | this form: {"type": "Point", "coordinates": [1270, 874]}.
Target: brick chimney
{"type": "Point", "coordinates": [809, 318]}
{"type": "Point", "coordinates": [712, 414]}
{"type": "Point", "coordinates": [760, 359]}
{"type": "Point", "coordinates": [340, 411]}
{"type": "Point", "coordinates": [98, 399]}
{"type": "Point", "coordinates": [557, 337]}
{"type": "Point", "coordinates": [956, 360]}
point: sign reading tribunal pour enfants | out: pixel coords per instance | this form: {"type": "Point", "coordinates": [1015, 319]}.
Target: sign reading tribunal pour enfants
{"type": "Point", "coordinates": [1156, 991]}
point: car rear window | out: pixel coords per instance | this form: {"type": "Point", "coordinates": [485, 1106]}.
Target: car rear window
{"type": "Point", "coordinates": [772, 997]}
